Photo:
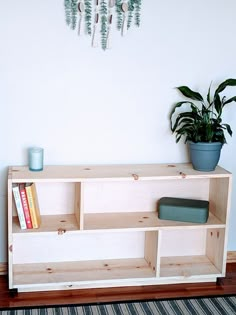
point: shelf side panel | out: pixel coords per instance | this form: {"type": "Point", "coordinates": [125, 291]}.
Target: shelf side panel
{"type": "Point", "coordinates": [10, 239]}
{"type": "Point", "coordinates": [150, 252]}
{"type": "Point", "coordinates": [215, 248]}
{"type": "Point", "coordinates": [219, 197]}
{"type": "Point", "coordinates": [79, 205]}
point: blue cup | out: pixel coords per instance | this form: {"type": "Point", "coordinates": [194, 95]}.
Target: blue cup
{"type": "Point", "coordinates": [36, 159]}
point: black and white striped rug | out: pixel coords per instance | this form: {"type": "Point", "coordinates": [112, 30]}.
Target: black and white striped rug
{"type": "Point", "coordinates": [203, 306]}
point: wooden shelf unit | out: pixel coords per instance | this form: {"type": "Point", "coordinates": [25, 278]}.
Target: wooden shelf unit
{"type": "Point", "coordinates": [100, 227]}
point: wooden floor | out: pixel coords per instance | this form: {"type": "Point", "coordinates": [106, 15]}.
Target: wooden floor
{"type": "Point", "coordinates": [225, 286]}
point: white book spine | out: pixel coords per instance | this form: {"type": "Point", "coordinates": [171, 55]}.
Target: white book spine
{"type": "Point", "coordinates": [19, 208]}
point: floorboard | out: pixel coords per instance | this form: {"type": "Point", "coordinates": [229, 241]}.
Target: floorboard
{"type": "Point", "coordinates": [225, 286]}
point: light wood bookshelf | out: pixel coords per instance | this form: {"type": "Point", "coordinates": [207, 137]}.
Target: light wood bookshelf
{"type": "Point", "coordinates": [100, 227]}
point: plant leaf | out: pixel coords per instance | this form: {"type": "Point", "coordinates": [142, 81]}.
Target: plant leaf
{"type": "Point", "coordinates": [189, 115]}
{"type": "Point", "coordinates": [223, 85]}
{"type": "Point", "coordinates": [218, 104]}
{"type": "Point", "coordinates": [232, 99]}
{"type": "Point", "coordinates": [209, 95]}
{"type": "Point", "coordinates": [187, 92]}
{"type": "Point", "coordinates": [179, 104]}
{"type": "Point", "coordinates": [229, 130]}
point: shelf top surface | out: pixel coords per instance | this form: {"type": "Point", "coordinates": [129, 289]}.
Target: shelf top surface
{"type": "Point", "coordinates": [72, 173]}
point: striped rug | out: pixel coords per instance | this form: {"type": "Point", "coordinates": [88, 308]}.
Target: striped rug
{"type": "Point", "coordinates": [203, 306]}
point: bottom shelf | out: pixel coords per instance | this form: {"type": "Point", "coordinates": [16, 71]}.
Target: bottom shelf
{"type": "Point", "coordinates": [188, 266]}
{"type": "Point", "coordinates": [89, 271]}
{"type": "Point", "coordinates": [112, 273]}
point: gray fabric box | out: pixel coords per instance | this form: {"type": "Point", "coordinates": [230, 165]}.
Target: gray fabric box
{"type": "Point", "coordinates": [185, 210]}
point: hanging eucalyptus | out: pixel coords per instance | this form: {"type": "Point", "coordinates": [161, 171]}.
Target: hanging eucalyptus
{"type": "Point", "coordinates": [88, 16]}
{"type": "Point", "coordinates": [67, 5]}
{"type": "Point", "coordinates": [137, 4]}
{"type": "Point", "coordinates": [119, 14]}
{"type": "Point", "coordinates": [74, 13]}
{"type": "Point", "coordinates": [130, 13]}
{"type": "Point", "coordinates": [97, 15]}
{"type": "Point", "coordinates": [103, 13]}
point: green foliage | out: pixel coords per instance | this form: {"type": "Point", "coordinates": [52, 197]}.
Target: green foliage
{"type": "Point", "coordinates": [88, 16]}
{"type": "Point", "coordinates": [137, 4]}
{"type": "Point", "coordinates": [202, 122]}
{"type": "Point", "coordinates": [119, 13]}
{"type": "Point", "coordinates": [67, 6]}
{"type": "Point", "coordinates": [103, 12]}
{"type": "Point", "coordinates": [130, 12]}
{"type": "Point", "coordinates": [74, 12]}
{"type": "Point", "coordinates": [134, 9]}
{"type": "Point", "coordinates": [71, 15]}
{"type": "Point", "coordinates": [130, 18]}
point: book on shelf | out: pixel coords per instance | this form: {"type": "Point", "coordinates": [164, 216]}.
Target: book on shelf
{"type": "Point", "coordinates": [19, 207]}
{"type": "Point", "coordinates": [25, 206]}
{"type": "Point", "coordinates": [33, 204]}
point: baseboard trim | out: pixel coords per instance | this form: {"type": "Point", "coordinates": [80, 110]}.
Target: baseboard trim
{"type": "Point", "coordinates": [3, 268]}
{"type": "Point", "coordinates": [231, 258]}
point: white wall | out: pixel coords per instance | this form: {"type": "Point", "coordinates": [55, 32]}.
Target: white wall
{"type": "Point", "coordinates": [84, 105]}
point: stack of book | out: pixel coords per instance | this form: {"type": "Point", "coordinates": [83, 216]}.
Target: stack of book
{"type": "Point", "coordinates": [27, 206]}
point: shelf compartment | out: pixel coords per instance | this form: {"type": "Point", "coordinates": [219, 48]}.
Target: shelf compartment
{"type": "Point", "coordinates": [200, 254]}
{"type": "Point", "coordinates": [95, 270]}
{"type": "Point", "coordinates": [187, 267]}
{"type": "Point", "coordinates": [50, 223]}
{"type": "Point", "coordinates": [139, 195]}
{"type": "Point", "coordinates": [38, 248]}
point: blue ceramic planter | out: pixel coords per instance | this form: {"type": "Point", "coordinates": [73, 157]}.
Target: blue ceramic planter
{"type": "Point", "coordinates": [205, 156]}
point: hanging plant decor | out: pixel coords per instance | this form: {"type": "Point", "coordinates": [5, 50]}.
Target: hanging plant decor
{"type": "Point", "coordinates": [137, 4]}
{"type": "Point", "coordinates": [131, 13]}
{"type": "Point", "coordinates": [103, 12]}
{"type": "Point", "coordinates": [81, 16]}
{"type": "Point", "coordinates": [110, 21]}
{"type": "Point", "coordinates": [67, 6]}
{"type": "Point", "coordinates": [74, 13]}
{"type": "Point", "coordinates": [90, 16]}
{"type": "Point", "coordinates": [119, 14]}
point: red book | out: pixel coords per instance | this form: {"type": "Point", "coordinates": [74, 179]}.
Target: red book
{"type": "Point", "coordinates": [25, 206]}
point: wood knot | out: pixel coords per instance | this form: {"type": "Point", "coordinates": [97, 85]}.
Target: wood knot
{"type": "Point", "coordinates": [61, 231]}
{"type": "Point", "coordinates": [135, 176]}
{"type": "Point", "coordinates": [183, 175]}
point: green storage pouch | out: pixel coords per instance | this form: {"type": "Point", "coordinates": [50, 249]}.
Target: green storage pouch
{"type": "Point", "coordinates": [185, 210]}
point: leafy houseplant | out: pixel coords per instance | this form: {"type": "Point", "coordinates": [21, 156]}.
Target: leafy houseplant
{"type": "Point", "coordinates": [202, 122]}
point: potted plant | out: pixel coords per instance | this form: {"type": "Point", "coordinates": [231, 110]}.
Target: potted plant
{"type": "Point", "coordinates": [201, 124]}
